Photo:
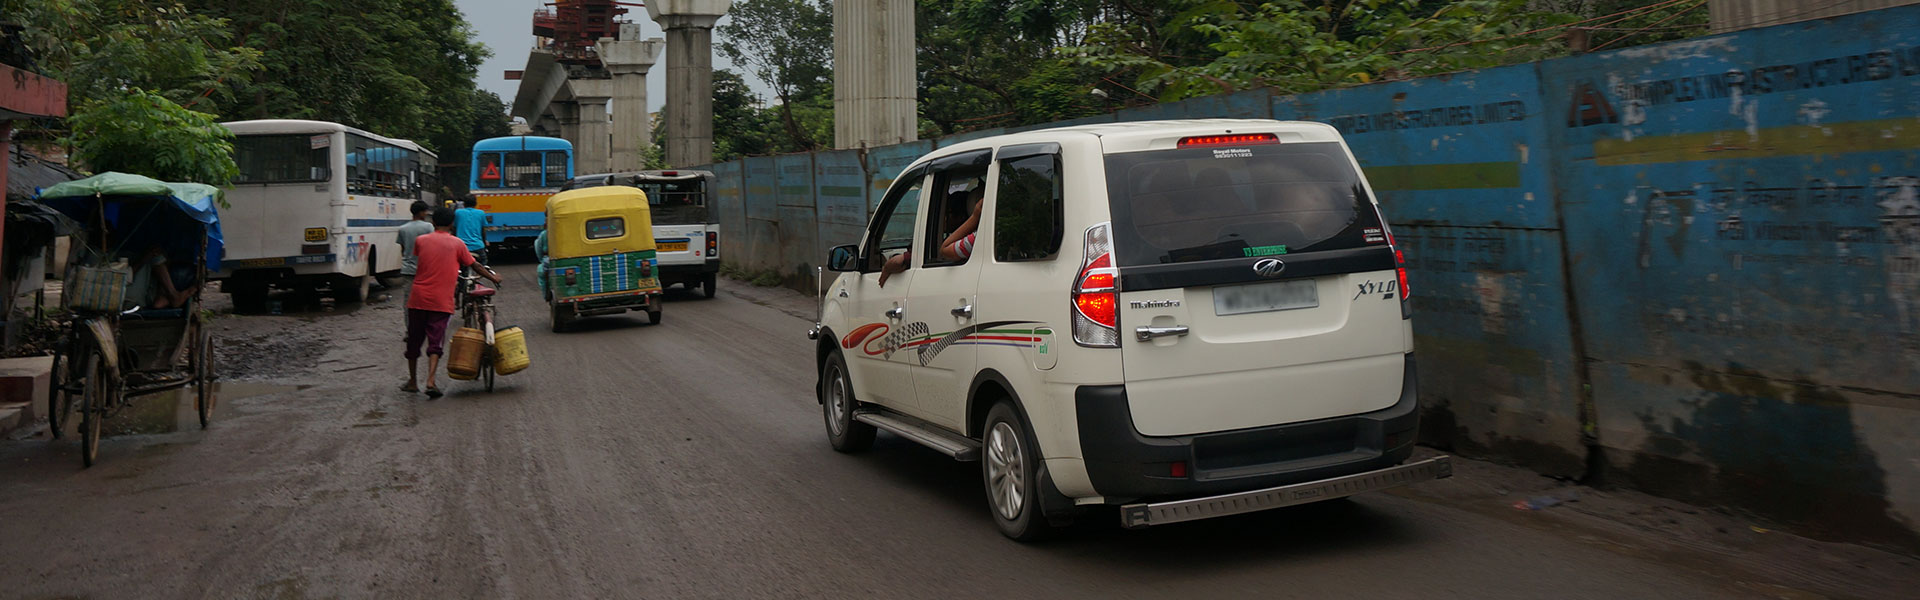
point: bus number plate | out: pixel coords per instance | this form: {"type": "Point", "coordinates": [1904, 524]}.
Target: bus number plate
{"type": "Point", "coordinates": [316, 234]}
{"type": "Point", "coordinates": [674, 246]}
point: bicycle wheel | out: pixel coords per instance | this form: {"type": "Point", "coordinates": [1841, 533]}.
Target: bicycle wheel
{"type": "Point", "coordinates": [486, 368]}
{"type": "Point", "coordinates": [203, 398]}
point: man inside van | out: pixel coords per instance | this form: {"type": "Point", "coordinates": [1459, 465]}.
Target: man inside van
{"type": "Point", "coordinates": [430, 306]}
{"type": "Point", "coordinates": [957, 247]}
{"type": "Point", "coordinates": [470, 224]}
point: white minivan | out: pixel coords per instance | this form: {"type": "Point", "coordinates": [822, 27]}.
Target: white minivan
{"type": "Point", "coordinates": [1186, 319]}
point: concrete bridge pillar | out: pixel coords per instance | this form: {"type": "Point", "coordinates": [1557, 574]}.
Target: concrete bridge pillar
{"type": "Point", "coordinates": [591, 150]}
{"type": "Point", "coordinates": [689, 107]}
{"type": "Point", "coordinates": [628, 60]}
{"type": "Point", "coordinates": [567, 116]}
{"type": "Point", "coordinates": [875, 87]}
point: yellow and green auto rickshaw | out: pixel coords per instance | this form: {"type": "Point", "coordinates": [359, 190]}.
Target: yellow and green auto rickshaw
{"type": "Point", "coordinates": [599, 256]}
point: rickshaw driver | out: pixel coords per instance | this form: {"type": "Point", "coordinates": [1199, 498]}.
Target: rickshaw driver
{"type": "Point", "coordinates": [153, 283]}
{"type": "Point", "coordinates": [439, 258]}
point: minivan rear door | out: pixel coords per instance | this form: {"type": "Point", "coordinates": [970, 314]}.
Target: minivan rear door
{"type": "Point", "coordinates": [1258, 285]}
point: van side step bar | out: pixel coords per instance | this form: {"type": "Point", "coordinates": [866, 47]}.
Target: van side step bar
{"type": "Point", "coordinates": [921, 432]}
{"type": "Point", "coordinates": [1133, 516]}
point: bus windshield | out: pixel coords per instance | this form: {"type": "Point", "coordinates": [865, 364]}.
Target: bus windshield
{"type": "Point", "coordinates": [280, 159]}
{"type": "Point", "coordinates": [520, 169]}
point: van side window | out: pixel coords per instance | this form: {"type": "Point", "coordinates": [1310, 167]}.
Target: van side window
{"type": "Point", "coordinates": [893, 223]}
{"type": "Point", "coordinates": [1028, 219]}
{"type": "Point", "coordinates": [959, 182]}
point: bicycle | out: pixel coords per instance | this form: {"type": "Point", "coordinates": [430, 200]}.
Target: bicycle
{"type": "Point", "coordinates": [476, 311]}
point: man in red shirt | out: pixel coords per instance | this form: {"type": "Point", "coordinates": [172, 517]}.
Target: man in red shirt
{"type": "Point", "coordinates": [439, 256]}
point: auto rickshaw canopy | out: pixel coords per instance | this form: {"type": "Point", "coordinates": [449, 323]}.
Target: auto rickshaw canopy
{"type": "Point", "coordinates": [598, 221]}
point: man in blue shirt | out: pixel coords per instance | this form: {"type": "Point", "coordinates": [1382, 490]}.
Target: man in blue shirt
{"type": "Point", "coordinates": [469, 224]}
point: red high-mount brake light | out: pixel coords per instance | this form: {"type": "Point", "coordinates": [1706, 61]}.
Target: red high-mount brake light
{"type": "Point", "coordinates": [1236, 139]}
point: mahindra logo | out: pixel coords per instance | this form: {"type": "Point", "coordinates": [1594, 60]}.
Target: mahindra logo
{"type": "Point", "coordinates": [1269, 267]}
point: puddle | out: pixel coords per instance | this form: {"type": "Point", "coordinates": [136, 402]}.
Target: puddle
{"type": "Point", "coordinates": [173, 411]}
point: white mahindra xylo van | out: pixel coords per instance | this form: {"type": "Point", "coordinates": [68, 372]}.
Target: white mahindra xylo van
{"type": "Point", "coordinates": [1184, 318]}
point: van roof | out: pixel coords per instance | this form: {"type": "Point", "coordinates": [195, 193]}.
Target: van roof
{"type": "Point", "coordinates": [1146, 135]}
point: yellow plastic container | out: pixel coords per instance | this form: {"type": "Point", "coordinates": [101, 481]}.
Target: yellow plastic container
{"type": "Point", "coordinates": [463, 353]}
{"type": "Point", "coordinates": [510, 351]}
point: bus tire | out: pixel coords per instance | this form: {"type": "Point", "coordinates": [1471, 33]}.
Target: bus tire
{"type": "Point", "coordinates": [248, 298]}
{"type": "Point", "coordinates": [352, 289]}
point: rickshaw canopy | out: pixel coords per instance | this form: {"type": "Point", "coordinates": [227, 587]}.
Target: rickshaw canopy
{"type": "Point", "coordinates": [598, 221]}
{"type": "Point", "coordinates": [79, 199]}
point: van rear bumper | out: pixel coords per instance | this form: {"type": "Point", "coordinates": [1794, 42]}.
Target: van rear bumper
{"type": "Point", "coordinates": [1123, 464]}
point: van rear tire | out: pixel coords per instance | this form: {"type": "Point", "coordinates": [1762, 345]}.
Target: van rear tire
{"type": "Point", "coordinates": [1010, 472]}
{"type": "Point", "coordinates": [707, 285]}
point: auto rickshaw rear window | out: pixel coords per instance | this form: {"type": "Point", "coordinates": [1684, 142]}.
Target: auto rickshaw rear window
{"type": "Point", "coordinates": [606, 228]}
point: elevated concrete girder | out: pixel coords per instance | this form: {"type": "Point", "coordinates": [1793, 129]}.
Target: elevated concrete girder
{"type": "Point", "coordinates": [539, 84]}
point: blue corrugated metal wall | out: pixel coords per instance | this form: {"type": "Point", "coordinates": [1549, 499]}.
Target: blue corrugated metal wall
{"type": "Point", "coordinates": [1695, 264]}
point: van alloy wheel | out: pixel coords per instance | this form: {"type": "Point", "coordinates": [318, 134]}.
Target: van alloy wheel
{"type": "Point", "coordinates": [1006, 471]}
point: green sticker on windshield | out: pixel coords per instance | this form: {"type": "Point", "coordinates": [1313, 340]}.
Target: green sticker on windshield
{"type": "Point", "coordinates": [1265, 250]}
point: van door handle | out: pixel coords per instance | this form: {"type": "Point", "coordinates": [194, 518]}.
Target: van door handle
{"type": "Point", "coordinates": [963, 312]}
{"type": "Point", "coordinates": [896, 312]}
{"type": "Point", "coordinates": [1146, 334]}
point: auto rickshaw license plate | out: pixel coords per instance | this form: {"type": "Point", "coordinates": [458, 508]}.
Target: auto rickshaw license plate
{"type": "Point", "coordinates": [316, 234]}
{"type": "Point", "coordinates": [673, 246]}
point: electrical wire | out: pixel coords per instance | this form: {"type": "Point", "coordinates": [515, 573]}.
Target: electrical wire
{"type": "Point", "coordinates": [1655, 24]}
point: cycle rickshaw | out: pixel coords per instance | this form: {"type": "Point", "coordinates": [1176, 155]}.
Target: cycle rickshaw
{"type": "Point", "coordinates": [119, 345]}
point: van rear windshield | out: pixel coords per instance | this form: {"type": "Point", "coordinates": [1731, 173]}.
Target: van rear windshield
{"type": "Point", "coordinates": [1223, 202]}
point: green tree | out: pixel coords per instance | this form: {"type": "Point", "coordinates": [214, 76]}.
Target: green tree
{"type": "Point", "coordinates": [789, 45]}
{"type": "Point", "coordinates": [130, 66]}
{"type": "Point", "coordinates": [144, 133]}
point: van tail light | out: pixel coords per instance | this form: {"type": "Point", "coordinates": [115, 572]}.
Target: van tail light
{"type": "Point", "coordinates": [1096, 293]}
{"type": "Point", "coordinates": [713, 244]}
{"type": "Point", "coordinates": [1400, 272]}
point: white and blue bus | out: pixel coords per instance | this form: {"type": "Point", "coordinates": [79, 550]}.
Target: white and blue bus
{"type": "Point", "coordinates": [511, 179]}
{"type": "Point", "coordinates": [317, 205]}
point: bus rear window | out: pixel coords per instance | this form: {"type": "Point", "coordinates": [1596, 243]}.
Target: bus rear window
{"type": "Point", "coordinates": [1214, 203]}
{"type": "Point", "coordinates": [280, 159]}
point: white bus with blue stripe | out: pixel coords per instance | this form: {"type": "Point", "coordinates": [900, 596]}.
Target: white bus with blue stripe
{"type": "Point", "coordinates": [317, 204]}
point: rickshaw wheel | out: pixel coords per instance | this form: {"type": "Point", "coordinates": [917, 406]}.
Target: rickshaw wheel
{"type": "Point", "coordinates": [653, 317]}
{"type": "Point", "coordinates": [203, 378]}
{"type": "Point", "coordinates": [97, 398]}
{"type": "Point", "coordinates": [55, 409]}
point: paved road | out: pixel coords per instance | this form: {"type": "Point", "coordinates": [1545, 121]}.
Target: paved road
{"type": "Point", "coordinates": [683, 460]}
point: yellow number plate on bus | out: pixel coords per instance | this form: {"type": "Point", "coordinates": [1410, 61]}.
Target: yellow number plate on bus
{"type": "Point", "coordinates": [316, 234]}
{"type": "Point", "coordinates": [671, 247]}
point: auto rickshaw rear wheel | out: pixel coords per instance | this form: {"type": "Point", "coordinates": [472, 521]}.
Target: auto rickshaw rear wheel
{"type": "Point", "coordinates": [560, 316]}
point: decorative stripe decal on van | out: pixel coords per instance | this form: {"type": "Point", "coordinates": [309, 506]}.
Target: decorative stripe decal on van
{"type": "Point", "coordinates": [875, 339]}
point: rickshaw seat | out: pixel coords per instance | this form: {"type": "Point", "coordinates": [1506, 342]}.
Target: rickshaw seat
{"type": "Point", "coordinates": [156, 313]}
{"type": "Point", "coordinates": [480, 291]}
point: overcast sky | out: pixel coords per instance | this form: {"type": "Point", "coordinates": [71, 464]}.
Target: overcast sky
{"type": "Point", "coordinates": [506, 27]}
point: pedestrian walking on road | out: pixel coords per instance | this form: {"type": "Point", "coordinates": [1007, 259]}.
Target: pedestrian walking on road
{"type": "Point", "coordinates": [421, 224]}
{"type": "Point", "coordinates": [470, 223]}
{"type": "Point", "coordinates": [440, 259]}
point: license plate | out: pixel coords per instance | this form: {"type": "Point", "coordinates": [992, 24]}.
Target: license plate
{"type": "Point", "coordinates": [1265, 297]}
{"type": "Point", "coordinates": [316, 234]}
{"type": "Point", "coordinates": [257, 262]}
{"type": "Point", "coordinates": [680, 246]}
